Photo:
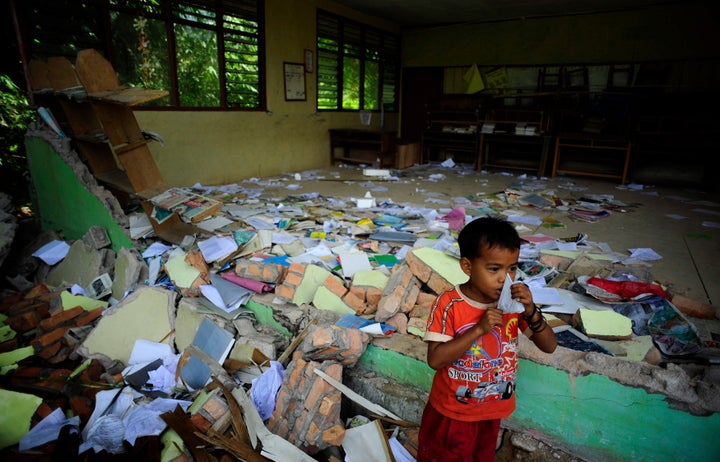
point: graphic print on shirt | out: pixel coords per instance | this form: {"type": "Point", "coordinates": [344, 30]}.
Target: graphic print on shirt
{"type": "Point", "coordinates": [483, 373]}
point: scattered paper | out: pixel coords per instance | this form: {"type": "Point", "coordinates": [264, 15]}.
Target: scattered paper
{"type": "Point", "coordinates": [52, 252]}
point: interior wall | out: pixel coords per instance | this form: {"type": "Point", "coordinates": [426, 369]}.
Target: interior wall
{"type": "Point", "coordinates": [216, 147]}
{"type": "Point", "coordinates": [668, 32]}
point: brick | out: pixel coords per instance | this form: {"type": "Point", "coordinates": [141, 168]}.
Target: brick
{"type": "Point", "coordinates": [38, 290]}
{"type": "Point", "coordinates": [354, 302]}
{"type": "Point", "coordinates": [333, 436]}
{"type": "Point", "coordinates": [200, 422]}
{"type": "Point", "coordinates": [48, 351]}
{"type": "Point", "coordinates": [9, 345]}
{"type": "Point", "coordinates": [312, 434]}
{"type": "Point", "coordinates": [48, 338]}
{"type": "Point", "coordinates": [419, 311]}
{"type": "Point", "coordinates": [330, 405]}
{"type": "Point", "coordinates": [61, 355]}
{"type": "Point", "coordinates": [54, 381]}
{"type": "Point", "coordinates": [25, 321]}
{"type": "Point", "coordinates": [43, 410]}
{"type": "Point", "coordinates": [215, 407]}
{"type": "Point", "coordinates": [50, 323]}
{"type": "Point", "coordinates": [321, 336]}
{"type": "Point", "coordinates": [373, 297]}
{"type": "Point", "coordinates": [9, 299]}
{"type": "Point", "coordinates": [317, 390]}
{"type": "Point", "coordinates": [335, 285]}
{"type": "Point", "coordinates": [82, 407]}
{"type": "Point", "coordinates": [88, 317]}
{"type": "Point", "coordinates": [285, 292]}
{"type": "Point", "coordinates": [293, 278]}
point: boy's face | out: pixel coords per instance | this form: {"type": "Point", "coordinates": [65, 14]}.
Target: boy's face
{"type": "Point", "coordinates": [487, 273]}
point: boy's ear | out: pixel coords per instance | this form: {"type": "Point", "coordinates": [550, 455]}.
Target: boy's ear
{"type": "Point", "coordinates": [465, 265]}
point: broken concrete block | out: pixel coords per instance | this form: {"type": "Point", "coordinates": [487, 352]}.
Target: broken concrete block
{"type": "Point", "coordinates": [96, 237]}
{"type": "Point", "coordinates": [399, 294]}
{"type": "Point", "coordinates": [81, 265]}
{"type": "Point", "coordinates": [260, 271]}
{"type": "Point", "coordinates": [302, 281]}
{"type": "Point", "coordinates": [307, 408]}
{"type": "Point", "coordinates": [334, 343]}
{"type": "Point", "coordinates": [438, 270]}
{"type": "Point", "coordinates": [603, 324]}
{"type": "Point", "coordinates": [130, 271]}
{"type": "Point", "coordinates": [148, 313]}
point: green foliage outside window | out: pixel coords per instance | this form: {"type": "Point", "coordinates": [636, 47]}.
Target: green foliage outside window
{"type": "Point", "coordinates": [355, 65]}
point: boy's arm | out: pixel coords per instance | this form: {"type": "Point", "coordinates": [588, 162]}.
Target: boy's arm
{"type": "Point", "coordinates": [440, 354]}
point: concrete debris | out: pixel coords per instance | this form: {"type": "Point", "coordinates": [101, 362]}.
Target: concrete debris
{"type": "Point", "coordinates": [76, 347]}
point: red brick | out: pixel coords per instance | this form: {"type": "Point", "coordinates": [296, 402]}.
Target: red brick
{"type": "Point", "coordinates": [48, 351]}
{"type": "Point", "coordinates": [334, 435]}
{"type": "Point", "coordinates": [38, 290]}
{"type": "Point", "coordinates": [54, 381]}
{"type": "Point", "coordinates": [64, 317]}
{"type": "Point", "coordinates": [62, 355]}
{"type": "Point", "coordinates": [82, 407]}
{"type": "Point", "coordinates": [9, 345]}
{"type": "Point", "coordinates": [334, 285]}
{"type": "Point", "coordinates": [9, 299]}
{"type": "Point", "coordinates": [24, 322]}
{"type": "Point", "coordinates": [285, 292]}
{"type": "Point", "coordinates": [317, 390]}
{"type": "Point", "coordinates": [48, 338]}
{"type": "Point", "coordinates": [43, 410]}
{"type": "Point", "coordinates": [17, 307]}
{"type": "Point", "coordinates": [200, 422]}
{"type": "Point", "coordinates": [88, 317]}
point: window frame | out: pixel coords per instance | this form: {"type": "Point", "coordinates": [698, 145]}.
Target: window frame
{"type": "Point", "coordinates": [69, 40]}
{"type": "Point", "coordinates": [385, 47]}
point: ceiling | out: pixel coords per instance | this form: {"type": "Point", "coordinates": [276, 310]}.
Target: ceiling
{"type": "Point", "coordinates": [424, 13]}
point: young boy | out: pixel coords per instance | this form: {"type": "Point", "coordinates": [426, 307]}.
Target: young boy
{"type": "Point", "coordinates": [473, 345]}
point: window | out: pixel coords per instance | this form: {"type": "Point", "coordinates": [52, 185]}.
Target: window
{"type": "Point", "coordinates": [206, 53]}
{"type": "Point", "coordinates": [357, 65]}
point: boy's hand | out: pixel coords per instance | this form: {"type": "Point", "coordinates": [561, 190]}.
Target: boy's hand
{"type": "Point", "coordinates": [491, 318]}
{"type": "Point", "coordinates": [522, 294]}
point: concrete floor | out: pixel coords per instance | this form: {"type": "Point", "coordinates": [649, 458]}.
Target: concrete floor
{"type": "Point", "coordinates": [680, 224]}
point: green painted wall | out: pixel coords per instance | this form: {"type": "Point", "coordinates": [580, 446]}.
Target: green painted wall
{"type": "Point", "coordinates": [62, 202]}
{"type": "Point", "coordinates": [591, 415]}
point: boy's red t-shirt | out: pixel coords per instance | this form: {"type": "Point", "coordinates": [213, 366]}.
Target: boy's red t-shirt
{"type": "Point", "coordinates": [480, 385]}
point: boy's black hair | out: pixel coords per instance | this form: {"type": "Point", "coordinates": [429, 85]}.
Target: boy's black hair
{"type": "Point", "coordinates": [487, 232]}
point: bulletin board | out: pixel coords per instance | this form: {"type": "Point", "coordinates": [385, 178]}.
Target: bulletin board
{"type": "Point", "coordinates": [294, 81]}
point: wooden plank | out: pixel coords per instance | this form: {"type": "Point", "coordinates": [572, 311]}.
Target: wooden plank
{"type": "Point", "coordinates": [61, 74]}
{"type": "Point", "coordinates": [95, 72]}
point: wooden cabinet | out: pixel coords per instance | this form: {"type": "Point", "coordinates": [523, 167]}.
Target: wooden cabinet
{"type": "Point", "coordinates": [451, 134]}
{"type": "Point", "coordinates": [591, 155]}
{"type": "Point", "coordinates": [514, 152]}
{"type": "Point", "coordinates": [363, 146]}
{"type": "Point", "coordinates": [97, 110]}
{"type": "Point", "coordinates": [515, 138]}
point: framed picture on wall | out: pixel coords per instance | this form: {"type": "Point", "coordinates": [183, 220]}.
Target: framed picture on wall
{"type": "Point", "coordinates": [294, 81]}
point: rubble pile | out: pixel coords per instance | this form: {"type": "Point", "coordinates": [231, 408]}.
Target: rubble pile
{"type": "Point", "coordinates": [236, 345]}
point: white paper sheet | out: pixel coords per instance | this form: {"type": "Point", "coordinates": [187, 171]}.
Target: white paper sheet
{"type": "Point", "coordinates": [506, 302]}
{"type": "Point", "coordinates": [52, 252]}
